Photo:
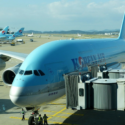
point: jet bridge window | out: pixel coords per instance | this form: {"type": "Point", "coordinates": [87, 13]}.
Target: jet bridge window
{"type": "Point", "coordinates": [81, 92]}
{"type": "Point", "coordinates": [41, 73]}
{"type": "Point", "coordinates": [36, 73]}
{"type": "Point", "coordinates": [28, 72]}
{"type": "Point", "coordinates": [21, 72]}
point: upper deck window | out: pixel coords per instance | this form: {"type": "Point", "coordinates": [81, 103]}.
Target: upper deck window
{"type": "Point", "coordinates": [41, 73]}
{"type": "Point", "coordinates": [21, 72]}
{"type": "Point", "coordinates": [36, 73]}
{"type": "Point", "coordinates": [28, 72]}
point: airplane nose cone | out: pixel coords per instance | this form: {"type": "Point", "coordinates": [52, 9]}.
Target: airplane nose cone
{"type": "Point", "coordinates": [16, 96]}
{"type": "Point", "coordinates": [16, 100]}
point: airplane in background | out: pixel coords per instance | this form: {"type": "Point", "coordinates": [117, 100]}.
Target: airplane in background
{"type": "Point", "coordinates": [11, 37]}
{"type": "Point", "coordinates": [30, 35]}
{"type": "Point", "coordinates": [4, 32]}
{"type": "Point", "coordinates": [8, 39]}
{"type": "Point", "coordinates": [79, 34]}
{"type": "Point", "coordinates": [39, 78]}
{"type": "Point", "coordinates": [18, 33]}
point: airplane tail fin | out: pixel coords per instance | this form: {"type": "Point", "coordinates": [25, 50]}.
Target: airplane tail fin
{"type": "Point", "coordinates": [19, 32]}
{"type": "Point", "coordinates": [4, 31]}
{"type": "Point", "coordinates": [122, 30]}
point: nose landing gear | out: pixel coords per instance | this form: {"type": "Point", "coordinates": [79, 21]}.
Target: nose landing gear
{"type": "Point", "coordinates": [33, 119]}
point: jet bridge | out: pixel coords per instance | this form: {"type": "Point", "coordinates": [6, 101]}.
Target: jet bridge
{"type": "Point", "coordinates": [74, 87]}
{"type": "Point", "coordinates": [104, 92]}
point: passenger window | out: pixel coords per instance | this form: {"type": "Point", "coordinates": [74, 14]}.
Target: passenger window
{"type": "Point", "coordinates": [81, 92]}
{"type": "Point", "coordinates": [29, 72]}
{"type": "Point", "coordinates": [21, 72]}
{"type": "Point", "coordinates": [36, 73]}
{"type": "Point", "coordinates": [41, 73]}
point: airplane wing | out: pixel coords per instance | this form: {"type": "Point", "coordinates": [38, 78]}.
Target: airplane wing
{"type": "Point", "coordinates": [20, 56]}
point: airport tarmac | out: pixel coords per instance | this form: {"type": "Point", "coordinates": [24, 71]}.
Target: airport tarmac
{"type": "Point", "coordinates": [56, 110]}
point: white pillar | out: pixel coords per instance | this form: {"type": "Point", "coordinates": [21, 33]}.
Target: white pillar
{"type": "Point", "coordinates": [120, 94]}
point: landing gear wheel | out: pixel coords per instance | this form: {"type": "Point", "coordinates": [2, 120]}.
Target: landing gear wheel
{"type": "Point", "coordinates": [36, 121]}
{"type": "Point", "coordinates": [31, 120]}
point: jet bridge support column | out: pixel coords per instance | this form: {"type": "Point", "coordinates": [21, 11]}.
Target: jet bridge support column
{"type": "Point", "coordinates": [76, 89]}
{"type": "Point", "coordinates": [71, 87]}
{"type": "Point", "coordinates": [121, 94]}
{"type": "Point", "coordinates": [94, 70]}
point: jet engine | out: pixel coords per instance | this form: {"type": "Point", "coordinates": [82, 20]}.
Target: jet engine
{"type": "Point", "coordinates": [10, 73]}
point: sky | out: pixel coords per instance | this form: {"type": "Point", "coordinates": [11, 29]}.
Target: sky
{"type": "Point", "coordinates": [57, 15]}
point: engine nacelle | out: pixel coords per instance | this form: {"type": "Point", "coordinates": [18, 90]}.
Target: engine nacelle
{"type": "Point", "coordinates": [9, 74]}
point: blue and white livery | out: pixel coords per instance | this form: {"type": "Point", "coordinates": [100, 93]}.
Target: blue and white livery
{"type": "Point", "coordinates": [39, 78]}
{"type": "Point", "coordinates": [11, 37]}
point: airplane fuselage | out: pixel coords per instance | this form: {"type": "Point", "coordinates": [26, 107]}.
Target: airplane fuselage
{"type": "Point", "coordinates": [55, 59]}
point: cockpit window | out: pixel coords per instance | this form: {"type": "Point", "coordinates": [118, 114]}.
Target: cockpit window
{"type": "Point", "coordinates": [41, 73]}
{"type": "Point", "coordinates": [28, 72]}
{"type": "Point", "coordinates": [36, 73]}
{"type": "Point", "coordinates": [21, 72]}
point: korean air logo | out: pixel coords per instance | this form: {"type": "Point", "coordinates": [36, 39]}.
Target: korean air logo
{"type": "Point", "coordinates": [13, 35]}
{"type": "Point", "coordinates": [81, 61]}
{"type": "Point", "coordinates": [20, 31]}
{"type": "Point", "coordinates": [3, 32]}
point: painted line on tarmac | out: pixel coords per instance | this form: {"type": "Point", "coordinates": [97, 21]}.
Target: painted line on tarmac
{"type": "Point", "coordinates": [17, 118]}
{"type": "Point", "coordinates": [64, 113]}
{"type": "Point", "coordinates": [57, 113]}
{"type": "Point", "coordinates": [57, 103]}
{"type": "Point", "coordinates": [47, 115]}
{"type": "Point", "coordinates": [48, 121]}
{"type": "Point", "coordinates": [58, 116]}
{"type": "Point", "coordinates": [49, 111]}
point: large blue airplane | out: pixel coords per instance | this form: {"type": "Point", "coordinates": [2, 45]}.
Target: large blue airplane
{"type": "Point", "coordinates": [39, 79]}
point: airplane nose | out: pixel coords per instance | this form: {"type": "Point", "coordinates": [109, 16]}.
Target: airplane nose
{"type": "Point", "coordinates": [17, 97]}
{"type": "Point", "coordinates": [26, 96]}
{"type": "Point", "coordinates": [16, 100]}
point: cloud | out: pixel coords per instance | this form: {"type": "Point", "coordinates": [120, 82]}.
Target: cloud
{"type": "Point", "coordinates": [115, 6]}
{"type": "Point", "coordinates": [65, 15]}
{"type": "Point", "coordinates": [65, 10]}
{"type": "Point", "coordinates": [89, 14]}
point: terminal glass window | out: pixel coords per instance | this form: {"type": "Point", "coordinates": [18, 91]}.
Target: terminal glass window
{"type": "Point", "coordinates": [21, 72]}
{"type": "Point", "coordinates": [28, 72]}
{"type": "Point", "coordinates": [41, 73]}
{"type": "Point", "coordinates": [36, 73]}
{"type": "Point", "coordinates": [81, 92]}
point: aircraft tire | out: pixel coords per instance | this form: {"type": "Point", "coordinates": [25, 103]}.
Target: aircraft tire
{"type": "Point", "coordinates": [31, 120]}
{"type": "Point", "coordinates": [36, 121]}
